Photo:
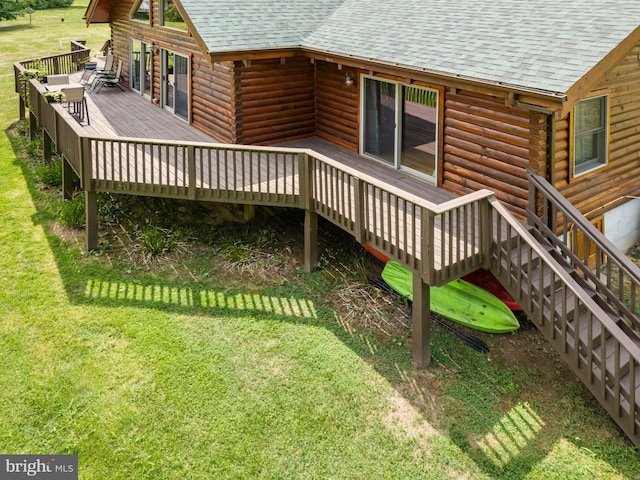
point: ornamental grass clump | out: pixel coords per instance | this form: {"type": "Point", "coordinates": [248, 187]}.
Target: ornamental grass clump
{"type": "Point", "coordinates": [72, 212]}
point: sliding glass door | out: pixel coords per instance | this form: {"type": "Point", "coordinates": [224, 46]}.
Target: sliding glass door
{"type": "Point", "coordinates": [141, 62]}
{"type": "Point", "coordinates": [400, 126]}
{"type": "Point", "coordinates": [175, 84]}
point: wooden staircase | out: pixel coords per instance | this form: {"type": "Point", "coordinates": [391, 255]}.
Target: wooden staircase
{"type": "Point", "coordinates": [587, 314]}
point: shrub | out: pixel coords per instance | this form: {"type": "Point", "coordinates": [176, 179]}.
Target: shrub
{"type": "Point", "coordinates": [72, 212]}
{"type": "Point", "coordinates": [112, 209]}
{"type": "Point", "coordinates": [45, 4]}
{"type": "Point", "coordinates": [156, 241]}
{"type": "Point", "coordinates": [50, 173]}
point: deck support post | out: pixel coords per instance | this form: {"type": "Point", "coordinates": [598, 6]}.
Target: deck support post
{"type": "Point", "coordinates": [249, 211]}
{"type": "Point", "coordinates": [22, 108]}
{"type": "Point", "coordinates": [67, 180]}
{"type": "Point", "coordinates": [91, 219]}
{"type": "Point", "coordinates": [310, 239]}
{"type": "Point", "coordinates": [33, 126]}
{"type": "Point", "coordinates": [421, 319]}
{"type": "Point", "coordinates": [47, 146]}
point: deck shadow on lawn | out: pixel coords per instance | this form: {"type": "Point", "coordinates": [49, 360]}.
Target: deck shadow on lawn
{"type": "Point", "coordinates": [497, 454]}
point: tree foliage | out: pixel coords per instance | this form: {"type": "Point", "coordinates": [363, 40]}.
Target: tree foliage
{"type": "Point", "coordinates": [45, 4]}
{"type": "Point", "coordinates": [11, 9]}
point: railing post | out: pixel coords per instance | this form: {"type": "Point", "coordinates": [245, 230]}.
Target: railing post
{"type": "Point", "coordinates": [191, 154]}
{"type": "Point", "coordinates": [427, 240]}
{"type": "Point", "coordinates": [486, 233]}
{"type": "Point", "coordinates": [85, 163]}
{"type": "Point", "coordinates": [421, 320]}
{"type": "Point", "coordinates": [306, 181]}
{"type": "Point", "coordinates": [360, 232]}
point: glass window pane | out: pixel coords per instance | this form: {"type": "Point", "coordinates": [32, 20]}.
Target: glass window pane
{"type": "Point", "coordinates": [181, 79]}
{"type": "Point", "coordinates": [419, 129]}
{"type": "Point", "coordinates": [380, 119]}
{"type": "Point", "coordinates": [147, 70]}
{"type": "Point", "coordinates": [136, 50]}
{"type": "Point", "coordinates": [590, 134]}
{"type": "Point", "coordinates": [589, 115]}
{"type": "Point", "coordinates": [142, 11]}
{"type": "Point", "coordinates": [171, 16]}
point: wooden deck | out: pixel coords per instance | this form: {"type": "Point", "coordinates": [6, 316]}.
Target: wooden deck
{"type": "Point", "coordinates": [128, 114]}
{"type": "Point", "coordinates": [132, 146]}
{"type": "Point", "coordinates": [138, 144]}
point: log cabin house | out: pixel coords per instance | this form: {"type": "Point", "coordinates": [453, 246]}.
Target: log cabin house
{"type": "Point", "coordinates": [428, 129]}
{"type": "Point", "coordinates": [464, 95]}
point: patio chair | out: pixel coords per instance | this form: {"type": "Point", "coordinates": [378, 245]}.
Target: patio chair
{"type": "Point", "coordinates": [74, 96]}
{"type": "Point", "coordinates": [57, 79]}
{"type": "Point", "coordinates": [85, 79]}
{"type": "Point", "coordinates": [108, 80]}
{"type": "Point", "coordinates": [108, 65]}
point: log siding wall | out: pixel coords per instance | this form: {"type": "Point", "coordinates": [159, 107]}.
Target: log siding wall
{"type": "Point", "coordinates": [594, 193]}
{"type": "Point", "coordinates": [337, 106]}
{"type": "Point", "coordinates": [490, 145]}
{"type": "Point", "coordinates": [276, 100]}
{"type": "Point", "coordinates": [213, 105]}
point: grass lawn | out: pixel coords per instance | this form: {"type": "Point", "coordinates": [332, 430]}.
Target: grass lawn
{"type": "Point", "coordinates": [184, 368]}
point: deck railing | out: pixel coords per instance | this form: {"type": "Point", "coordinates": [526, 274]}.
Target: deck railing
{"type": "Point", "coordinates": [62, 63]}
{"type": "Point", "coordinates": [611, 273]}
{"type": "Point", "coordinates": [438, 241]}
{"type": "Point", "coordinates": [605, 358]}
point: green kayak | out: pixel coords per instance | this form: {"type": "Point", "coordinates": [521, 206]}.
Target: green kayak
{"type": "Point", "coordinates": [459, 301]}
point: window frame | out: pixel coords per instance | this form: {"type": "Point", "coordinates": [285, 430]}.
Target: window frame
{"type": "Point", "coordinates": [399, 92]}
{"type": "Point", "coordinates": [134, 10]}
{"type": "Point", "coordinates": [604, 130]}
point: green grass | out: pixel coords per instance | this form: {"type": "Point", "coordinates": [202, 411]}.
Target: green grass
{"type": "Point", "coordinates": [183, 369]}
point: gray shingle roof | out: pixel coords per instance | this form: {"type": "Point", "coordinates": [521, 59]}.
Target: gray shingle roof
{"type": "Point", "coordinates": [539, 44]}
{"type": "Point", "coordinates": [236, 25]}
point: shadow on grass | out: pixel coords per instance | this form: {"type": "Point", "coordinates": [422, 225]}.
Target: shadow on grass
{"type": "Point", "coordinates": [15, 28]}
{"type": "Point", "coordinates": [503, 442]}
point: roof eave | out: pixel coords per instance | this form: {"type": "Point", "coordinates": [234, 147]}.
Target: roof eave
{"type": "Point", "coordinates": [92, 9]}
{"type": "Point", "coordinates": [389, 67]}
{"type": "Point", "coordinates": [444, 78]}
{"type": "Point", "coordinates": [589, 81]}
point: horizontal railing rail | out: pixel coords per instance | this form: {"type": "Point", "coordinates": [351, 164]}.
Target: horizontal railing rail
{"type": "Point", "coordinates": [612, 274]}
{"type": "Point", "coordinates": [586, 337]}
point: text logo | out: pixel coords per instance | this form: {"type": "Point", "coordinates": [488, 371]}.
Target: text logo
{"type": "Point", "coordinates": [44, 467]}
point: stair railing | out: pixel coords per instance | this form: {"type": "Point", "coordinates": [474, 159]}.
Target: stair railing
{"type": "Point", "coordinates": [569, 318]}
{"type": "Point", "coordinates": [613, 276]}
